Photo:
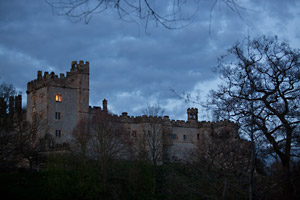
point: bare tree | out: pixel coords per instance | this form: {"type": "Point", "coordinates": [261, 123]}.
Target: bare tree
{"type": "Point", "coordinates": [7, 90]}
{"type": "Point", "coordinates": [7, 150]}
{"type": "Point", "coordinates": [108, 142]}
{"type": "Point", "coordinates": [224, 150]}
{"type": "Point", "coordinates": [26, 147]}
{"type": "Point", "coordinates": [226, 157]}
{"type": "Point", "coordinates": [7, 105]}
{"type": "Point", "coordinates": [108, 137]}
{"type": "Point", "coordinates": [171, 14]}
{"type": "Point", "coordinates": [26, 140]}
{"type": "Point", "coordinates": [151, 141]}
{"type": "Point", "coordinates": [261, 86]}
{"type": "Point", "coordinates": [8, 117]}
{"type": "Point", "coordinates": [19, 143]}
{"type": "Point", "coordinates": [82, 136]}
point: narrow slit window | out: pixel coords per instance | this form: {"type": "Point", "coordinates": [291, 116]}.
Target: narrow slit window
{"type": "Point", "coordinates": [57, 115]}
{"type": "Point", "coordinates": [184, 137]}
{"type": "Point", "coordinates": [134, 133]}
{"type": "Point", "coordinates": [58, 133]}
{"type": "Point", "coordinates": [58, 98]}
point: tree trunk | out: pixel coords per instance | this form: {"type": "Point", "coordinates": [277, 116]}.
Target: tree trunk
{"type": "Point", "coordinates": [30, 164]}
{"type": "Point", "coordinates": [252, 166]}
{"type": "Point", "coordinates": [286, 185]}
{"type": "Point", "coordinates": [224, 189]}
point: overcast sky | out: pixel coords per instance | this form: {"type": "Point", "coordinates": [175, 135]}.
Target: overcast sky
{"type": "Point", "coordinates": [128, 66]}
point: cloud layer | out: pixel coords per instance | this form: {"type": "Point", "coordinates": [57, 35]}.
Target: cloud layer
{"type": "Point", "coordinates": [131, 67]}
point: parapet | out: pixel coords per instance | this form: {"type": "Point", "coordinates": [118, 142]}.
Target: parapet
{"type": "Point", "coordinates": [80, 67]}
{"type": "Point", "coordinates": [224, 123]}
{"type": "Point", "coordinates": [61, 80]}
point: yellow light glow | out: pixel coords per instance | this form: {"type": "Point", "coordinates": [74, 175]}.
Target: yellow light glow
{"type": "Point", "coordinates": [58, 98]}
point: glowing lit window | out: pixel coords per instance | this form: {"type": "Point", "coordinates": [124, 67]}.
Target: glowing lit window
{"type": "Point", "coordinates": [58, 98]}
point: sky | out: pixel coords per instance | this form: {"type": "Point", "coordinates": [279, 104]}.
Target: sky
{"type": "Point", "coordinates": [130, 65]}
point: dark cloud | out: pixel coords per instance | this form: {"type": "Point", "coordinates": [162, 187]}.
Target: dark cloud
{"type": "Point", "coordinates": [130, 66]}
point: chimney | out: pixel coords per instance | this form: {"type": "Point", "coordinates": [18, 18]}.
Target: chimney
{"type": "Point", "coordinates": [104, 105]}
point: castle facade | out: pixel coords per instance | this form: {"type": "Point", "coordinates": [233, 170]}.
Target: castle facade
{"type": "Point", "coordinates": [61, 102]}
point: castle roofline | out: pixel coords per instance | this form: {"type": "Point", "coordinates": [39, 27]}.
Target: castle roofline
{"type": "Point", "coordinates": [53, 79]}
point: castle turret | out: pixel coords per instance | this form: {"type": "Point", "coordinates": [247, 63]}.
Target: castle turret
{"type": "Point", "coordinates": [104, 105]}
{"type": "Point", "coordinates": [192, 114]}
{"type": "Point", "coordinates": [59, 100]}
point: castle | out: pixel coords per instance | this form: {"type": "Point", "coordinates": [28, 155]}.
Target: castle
{"type": "Point", "coordinates": [62, 102]}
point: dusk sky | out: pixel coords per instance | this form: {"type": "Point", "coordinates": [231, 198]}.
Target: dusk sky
{"type": "Point", "coordinates": [129, 66]}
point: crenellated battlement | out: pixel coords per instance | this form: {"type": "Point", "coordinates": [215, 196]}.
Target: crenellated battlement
{"type": "Point", "coordinates": [52, 79]}
{"type": "Point", "coordinates": [94, 109]}
{"type": "Point", "coordinates": [165, 120]}
{"type": "Point", "coordinates": [175, 123]}
{"type": "Point", "coordinates": [139, 119]}
{"type": "Point", "coordinates": [224, 123]}
{"type": "Point", "coordinates": [80, 67]}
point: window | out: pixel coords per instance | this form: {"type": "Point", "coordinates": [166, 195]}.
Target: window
{"type": "Point", "coordinates": [58, 133]}
{"type": "Point", "coordinates": [174, 136]}
{"type": "Point", "coordinates": [184, 137]}
{"type": "Point", "coordinates": [58, 98]}
{"type": "Point", "coordinates": [198, 136]}
{"type": "Point", "coordinates": [57, 115]}
{"type": "Point", "coordinates": [134, 133]}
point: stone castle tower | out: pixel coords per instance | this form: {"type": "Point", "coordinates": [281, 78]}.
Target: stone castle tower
{"type": "Point", "coordinates": [59, 102]}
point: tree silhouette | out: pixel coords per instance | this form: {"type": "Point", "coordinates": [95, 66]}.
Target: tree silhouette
{"type": "Point", "coordinates": [261, 86]}
{"type": "Point", "coordinates": [171, 14]}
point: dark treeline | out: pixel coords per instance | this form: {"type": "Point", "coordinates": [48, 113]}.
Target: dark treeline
{"type": "Point", "coordinates": [72, 177]}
